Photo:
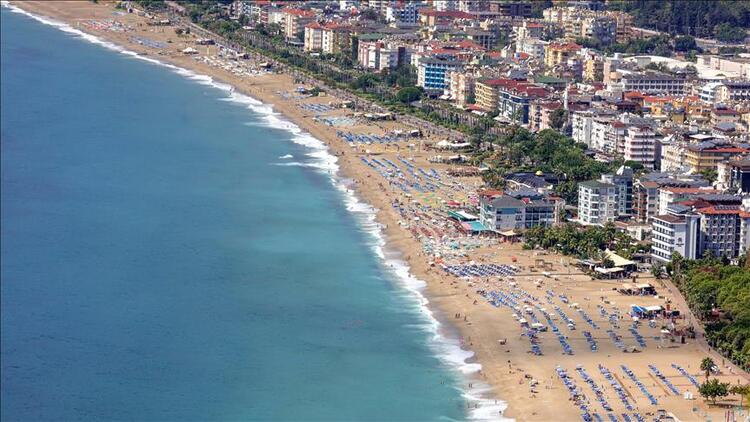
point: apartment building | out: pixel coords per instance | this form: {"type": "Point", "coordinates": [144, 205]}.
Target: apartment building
{"type": "Point", "coordinates": [645, 199]}
{"type": "Point", "coordinates": [597, 202]}
{"type": "Point", "coordinates": [720, 230]}
{"type": "Point", "coordinates": [556, 53]}
{"type": "Point", "coordinates": [534, 47]}
{"type": "Point", "coordinates": [675, 232]}
{"type": "Point", "coordinates": [404, 11]}
{"type": "Point", "coordinates": [707, 155]}
{"type": "Point", "coordinates": [461, 87]}
{"type": "Point", "coordinates": [432, 71]}
{"type": "Point", "coordinates": [375, 55]}
{"type": "Point", "coordinates": [336, 38]}
{"type": "Point", "coordinates": [486, 94]}
{"type": "Point", "coordinates": [295, 21]}
{"type": "Point", "coordinates": [653, 83]}
{"type": "Point", "coordinates": [622, 179]}
{"type": "Point", "coordinates": [505, 212]}
{"type": "Point", "coordinates": [540, 112]}
{"type": "Point", "coordinates": [602, 28]}
{"type": "Point", "coordinates": [640, 145]}
{"type": "Point", "coordinates": [669, 195]}
{"type": "Point", "coordinates": [313, 37]}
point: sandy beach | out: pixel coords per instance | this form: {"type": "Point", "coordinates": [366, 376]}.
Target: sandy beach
{"type": "Point", "coordinates": [407, 180]}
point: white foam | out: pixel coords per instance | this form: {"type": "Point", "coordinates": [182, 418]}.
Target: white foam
{"type": "Point", "coordinates": [448, 349]}
{"type": "Point", "coordinates": [287, 156]}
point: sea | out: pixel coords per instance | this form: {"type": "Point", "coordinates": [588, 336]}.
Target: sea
{"type": "Point", "coordinates": [174, 250]}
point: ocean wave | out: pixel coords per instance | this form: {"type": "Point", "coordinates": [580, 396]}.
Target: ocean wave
{"type": "Point", "coordinates": [287, 156]}
{"type": "Point", "coordinates": [448, 349]}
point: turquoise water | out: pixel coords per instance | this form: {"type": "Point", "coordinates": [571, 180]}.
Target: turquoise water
{"type": "Point", "coordinates": [160, 261]}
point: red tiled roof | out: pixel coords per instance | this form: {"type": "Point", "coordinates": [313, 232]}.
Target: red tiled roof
{"type": "Point", "coordinates": [314, 25]}
{"type": "Point", "coordinates": [724, 112]}
{"type": "Point", "coordinates": [518, 86]}
{"type": "Point", "coordinates": [490, 193]}
{"type": "Point", "coordinates": [688, 190]}
{"type": "Point", "coordinates": [336, 25]}
{"type": "Point", "coordinates": [718, 211]}
{"type": "Point", "coordinates": [299, 12]}
{"type": "Point", "coordinates": [469, 44]}
{"type": "Point", "coordinates": [571, 46]}
{"type": "Point", "coordinates": [455, 14]}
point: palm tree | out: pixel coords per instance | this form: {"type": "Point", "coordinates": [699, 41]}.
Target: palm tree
{"type": "Point", "coordinates": [707, 365]}
{"type": "Point", "coordinates": [741, 390]}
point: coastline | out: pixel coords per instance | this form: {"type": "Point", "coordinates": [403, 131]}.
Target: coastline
{"type": "Point", "coordinates": [388, 242]}
{"type": "Point", "coordinates": [436, 293]}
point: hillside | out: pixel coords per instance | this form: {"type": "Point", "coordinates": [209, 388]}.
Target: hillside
{"type": "Point", "coordinates": [726, 20]}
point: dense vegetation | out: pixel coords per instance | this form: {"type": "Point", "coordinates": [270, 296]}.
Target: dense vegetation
{"type": "Point", "coordinates": [549, 151]}
{"type": "Point", "coordinates": [709, 283]}
{"type": "Point", "coordinates": [724, 19]}
{"type": "Point", "coordinates": [582, 242]}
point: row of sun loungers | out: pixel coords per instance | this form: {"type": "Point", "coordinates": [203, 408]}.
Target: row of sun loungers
{"type": "Point", "coordinates": [318, 108]}
{"type": "Point", "coordinates": [481, 270]}
{"type": "Point", "coordinates": [147, 42]}
{"type": "Point", "coordinates": [639, 384]}
{"type": "Point", "coordinates": [638, 337]}
{"type": "Point", "coordinates": [616, 385]}
{"type": "Point", "coordinates": [353, 138]}
{"type": "Point", "coordinates": [664, 379]}
{"type": "Point", "coordinates": [685, 373]}
{"type": "Point", "coordinates": [597, 391]}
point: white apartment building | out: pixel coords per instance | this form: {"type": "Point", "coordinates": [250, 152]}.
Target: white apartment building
{"type": "Point", "coordinates": [403, 12]}
{"type": "Point", "coordinates": [295, 21]}
{"type": "Point", "coordinates": [597, 202]}
{"type": "Point", "coordinates": [600, 130]}
{"type": "Point", "coordinates": [640, 145]}
{"type": "Point", "coordinates": [674, 233]}
{"type": "Point", "coordinates": [581, 122]}
{"type": "Point", "coordinates": [375, 55]}
{"type": "Point", "coordinates": [313, 37]}
{"type": "Point", "coordinates": [534, 47]}
{"type": "Point", "coordinates": [445, 5]}
{"type": "Point", "coordinates": [737, 90]}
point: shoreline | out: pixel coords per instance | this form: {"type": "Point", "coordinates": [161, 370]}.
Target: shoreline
{"type": "Point", "coordinates": [442, 294]}
{"type": "Point", "coordinates": [478, 392]}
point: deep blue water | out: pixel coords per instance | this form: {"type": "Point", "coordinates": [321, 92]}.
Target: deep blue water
{"type": "Point", "coordinates": [156, 264]}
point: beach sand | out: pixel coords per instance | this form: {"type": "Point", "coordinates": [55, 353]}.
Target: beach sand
{"type": "Point", "coordinates": [508, 367]}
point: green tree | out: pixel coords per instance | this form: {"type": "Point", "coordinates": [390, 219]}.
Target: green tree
{"type": "Point", "coordinates": [741, 390]}
{"type": "Point", "coordinates": [685, 43]}
{"type": "Point", "coordinates": [408, 95]}
{"type": "Point", "coordinates": [707, 365]}
{"type": "Point", "coordinates": [713, 389]}
{"type": "Point", "coordinates": [727, 32]}
{"type": "Point", "coordinates": [558, 118]}
{"type": "Point", "coordinates": [709, 174]}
